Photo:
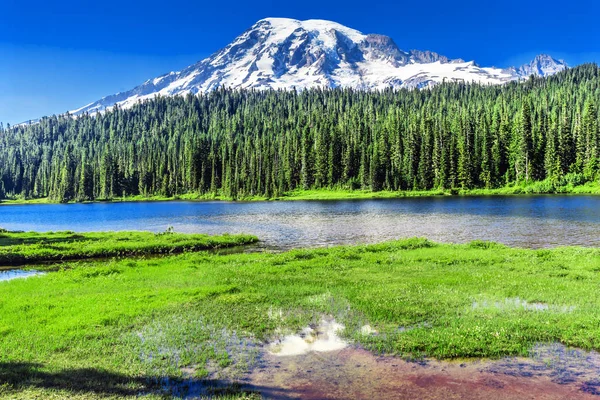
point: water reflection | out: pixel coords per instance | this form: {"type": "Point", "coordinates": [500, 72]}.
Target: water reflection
{"type": "Point", "coordinates": [11, 274]}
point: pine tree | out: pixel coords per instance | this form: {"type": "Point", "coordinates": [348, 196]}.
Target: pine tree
{"type": "Point", "coordinates": [426, 172]}
{"type": "Point", "coordinates": [525, 142]}
{"type": "Point", "coordinates": [590, 132]}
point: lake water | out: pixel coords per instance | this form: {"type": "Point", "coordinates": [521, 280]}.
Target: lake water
{"type": "Point", "coordinates": [528, 221]}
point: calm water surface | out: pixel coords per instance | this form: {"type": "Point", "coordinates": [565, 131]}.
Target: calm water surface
{"type": "Point", "coordinates": [536, 221]}
{"type": "Point", "coordinates": [11, 274]}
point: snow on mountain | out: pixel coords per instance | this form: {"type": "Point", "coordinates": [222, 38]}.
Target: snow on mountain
{"type": "Point", "coordinates": [542, 65]}
{"type": "Point", "coordinates": [281, 53]}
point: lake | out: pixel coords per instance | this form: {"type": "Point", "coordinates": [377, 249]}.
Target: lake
{"type": "Point", "coordinates": [523, 221]}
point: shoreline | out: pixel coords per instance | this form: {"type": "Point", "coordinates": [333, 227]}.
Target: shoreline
{"type": "Point", "coordinates": [338, 194]}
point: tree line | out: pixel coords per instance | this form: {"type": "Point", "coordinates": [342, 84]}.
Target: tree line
{"type": "Point", "coordinates": [241, 143]}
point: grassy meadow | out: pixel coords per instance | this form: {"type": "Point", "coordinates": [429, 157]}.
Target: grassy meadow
{"type": "Point", "coordinates": [129, 326]}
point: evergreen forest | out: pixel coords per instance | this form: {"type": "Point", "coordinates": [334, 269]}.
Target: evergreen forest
{"type": "Point", "coordinates": [246, 143]}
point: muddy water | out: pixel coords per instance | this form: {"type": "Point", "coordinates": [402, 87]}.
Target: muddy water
{"type": "Point", "coordinates": [354, 373]}
{"type": "Point", "coordinates": [317, 364]}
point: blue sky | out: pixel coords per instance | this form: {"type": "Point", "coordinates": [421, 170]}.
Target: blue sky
{"type": "Point", "coordinates": [60, 55]}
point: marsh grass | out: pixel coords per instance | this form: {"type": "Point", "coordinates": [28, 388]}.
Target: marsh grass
{"type": "Point", "coordinates": [20, 248]}
{"type": "Point", "coordinates": [198, 316]}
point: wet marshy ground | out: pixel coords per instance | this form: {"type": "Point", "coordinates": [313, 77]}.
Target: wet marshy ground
{"type": "Point", "coordinates": [553, 372]}
{"type": "Point", "coordinates": [316, 363]}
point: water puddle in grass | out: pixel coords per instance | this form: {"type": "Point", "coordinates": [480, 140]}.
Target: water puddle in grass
{"type": "Point", "coordinates": [10, 274]}
{"type": "Point", "coordinates": [367, 330]}
{"type": "Point", "coordinates": [316, 363]}
{"type": "Point", "coordinates": [552, 372]}
{"type": "Point", "coordinates": [562, 365]}
{"type": "Point", "coordinates": [321, 338]}
{"type": "Point", "coordinates": [517, 303]}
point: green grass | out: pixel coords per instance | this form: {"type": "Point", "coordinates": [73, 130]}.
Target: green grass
{"type": "Point", "coordinates": [346, 194]}
{"type": "Point", "coordinates": [32, 247]}
{"type": "Point", "coordinates": [115, 328]}
{"type": "Point", "coordinates": [152, 198]}
{"type": "Point", "coordinates": [533, 188]}
{"type": "Point", "coordinates": [543, 187]}
{"type": "Point", "coordinates": [17, 201]}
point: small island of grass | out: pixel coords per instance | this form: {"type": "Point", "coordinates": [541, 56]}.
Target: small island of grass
{"type": "Point", "coordinates": [20, 248]}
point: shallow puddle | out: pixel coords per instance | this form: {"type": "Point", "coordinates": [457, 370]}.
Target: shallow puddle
{"type": "Point", "coordinates": [11, 274]}
{"type": "Point", "coordinates": [321, 338]}
{"type": "Point", "coordinates": [317, 363]}
{"type": "Point", "coordinates": [358, 374]}
{"type": "Point", "coordinates": [557, 362]}
{"type": "Point", "coordinates": [517, 303]}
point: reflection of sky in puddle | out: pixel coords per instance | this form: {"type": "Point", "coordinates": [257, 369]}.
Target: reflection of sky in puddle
{"type": "Point", "coordinates": [322, 338]}
{"type": "Point", "coordinates": [552, 372]}
{"type": "Point", "coordinates": [517, 303]}
{"type": "Point", "coordinates": [16, 274]}
{"type": "Point", "coordinates": [560, 363]}
{"type": "Point", "coordinates": [538, 221]}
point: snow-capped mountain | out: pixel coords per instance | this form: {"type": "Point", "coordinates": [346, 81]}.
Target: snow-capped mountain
{"type": "Point", "coordinates": [542, 65]}
{"type": "Point", "coordinates": [280, 53]}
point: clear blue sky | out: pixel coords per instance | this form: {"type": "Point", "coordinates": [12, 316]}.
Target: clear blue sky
{"type": "Point", "coordinates": [60, 55]}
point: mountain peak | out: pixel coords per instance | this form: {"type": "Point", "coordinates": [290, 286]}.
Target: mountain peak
{"type": "Point", "coordinates": [546, 57]}
{"type": "Point", "coordinates": [284, 27]}
{"type": "Point", "coordinates": [284, 53]}
{"type": "Point", "coordinates": [542, 65]}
